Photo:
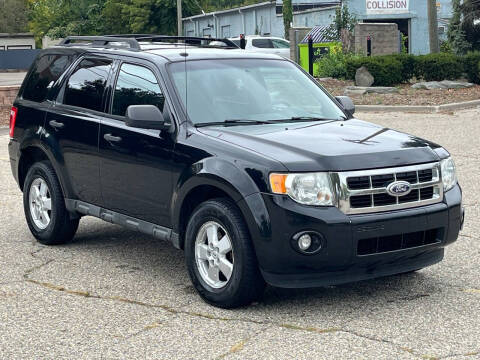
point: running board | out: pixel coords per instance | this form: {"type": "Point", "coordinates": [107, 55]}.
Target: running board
{"type": "Point", "coordinates": [157, 231]}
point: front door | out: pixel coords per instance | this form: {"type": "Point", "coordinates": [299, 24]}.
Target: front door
{"type": "Point", "coordinates": [135, 167]}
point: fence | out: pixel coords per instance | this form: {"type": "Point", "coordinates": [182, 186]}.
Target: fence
{"type": "Point", "coordinates": [17, 59]}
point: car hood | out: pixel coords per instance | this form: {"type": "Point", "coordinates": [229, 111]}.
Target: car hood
{"type": "Point", "coordinates": [329, 145]}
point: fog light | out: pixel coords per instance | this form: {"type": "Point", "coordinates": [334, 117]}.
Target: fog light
{"type": "Point", "coordinates": [308, 242]}
{"type": "Point", "coordinates": [304, 242]}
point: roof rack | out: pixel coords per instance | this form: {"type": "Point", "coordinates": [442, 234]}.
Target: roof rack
{"type": "Point", "coordinates": [132, 41]}
{"type": "Point", "coordinates": [190, 40]}
{"type": "Point", "coordinates": [101, 41]}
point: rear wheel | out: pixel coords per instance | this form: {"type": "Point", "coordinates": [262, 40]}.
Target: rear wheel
{"type": "Point", "coordinates": [220, 257]}
{"type": "Point", "coordinates": [44, 206]}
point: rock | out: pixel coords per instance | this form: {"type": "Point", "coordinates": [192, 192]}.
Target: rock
{"type": "Point", "coordinates": [363, 77]}
{"type": "Point", "coordinates": [445, 84]}
{"type": "Point", "coordinates": [429, 85]}
{"type": "Point", "coordinates": [456, 84]}
{"type": "Point", "coordinates": [360, 90]}
{"type": "Point", "coordinates": [354, 91]}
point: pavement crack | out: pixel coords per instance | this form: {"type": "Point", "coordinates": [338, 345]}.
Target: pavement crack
{"type": "Point", "coordinates": [471, 353]}
{"type": "Point", "coordinates": [240, 345]}
{"type": "Point", "coordinates": [28, 272]}
{"type": "Point", "coordinates": [389, 342]}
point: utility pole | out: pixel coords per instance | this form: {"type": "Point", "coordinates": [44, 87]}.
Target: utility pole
{"type": "Point", "coordinates": [179, 18]}
{"type": "Point", "coordinates": [433, 26]}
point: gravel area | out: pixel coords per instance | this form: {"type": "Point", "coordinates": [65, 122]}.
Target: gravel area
{"type": "Point", "coordinates": [406, 95]}
{"type": "Point", "coordinates": [113, 293]}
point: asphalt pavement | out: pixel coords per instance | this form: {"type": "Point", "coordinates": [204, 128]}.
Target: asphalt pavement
{"type": "Point", "coordinates": [11, 78]}
{"type": "Point", "coordinates": [113, 293]}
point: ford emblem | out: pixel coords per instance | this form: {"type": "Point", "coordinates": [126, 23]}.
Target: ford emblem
{"type": "Point", "coordinates": [399, 188]}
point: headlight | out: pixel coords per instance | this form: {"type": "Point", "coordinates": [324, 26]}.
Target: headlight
{"type": "Point", "coordinates": [449, 177]}
{"type": "Point", "coordinates": [307, 188]}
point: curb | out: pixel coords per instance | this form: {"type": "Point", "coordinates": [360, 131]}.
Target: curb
{"type": "Point", "coordinates": [9, 87]}
{"type": "Point", "coordinates": [419, 108]}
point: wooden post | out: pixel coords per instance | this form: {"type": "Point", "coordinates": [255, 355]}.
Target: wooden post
{"type": "Point", "coordinates": [179, 18]}
{"type": "Point", "coordinates": [433, 26]}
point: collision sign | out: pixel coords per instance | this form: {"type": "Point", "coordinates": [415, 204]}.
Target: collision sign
{"type": "Point", "coordinates": [387, 6]}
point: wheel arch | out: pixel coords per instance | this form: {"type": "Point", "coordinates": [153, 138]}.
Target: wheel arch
{"type": "Point", "coordinates": [31, 153]}
{"type": "Point", "coordinates": [226, 181]}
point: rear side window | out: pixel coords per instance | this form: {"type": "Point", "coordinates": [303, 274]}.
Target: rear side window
{"type": "Point", "coordinates": [136, 85]}
{"type": "Point", "coordinates": [262, 43]}
{"type": "Point", "coordinates": [86, 85]}
{"type": "Point", "coordinates": [46, 71]}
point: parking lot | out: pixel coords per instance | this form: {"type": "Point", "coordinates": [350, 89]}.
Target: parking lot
{"type": "Point", "coordinates": [113, 293]}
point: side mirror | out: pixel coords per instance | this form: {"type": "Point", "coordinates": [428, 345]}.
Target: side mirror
{"type": "Point", "coordinates": [347, 104]}
{"type": "Point", "coordinates": [145, 117]}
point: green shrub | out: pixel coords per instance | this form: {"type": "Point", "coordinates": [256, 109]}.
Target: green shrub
{"type": "Point", "coordinates": [408, 65]}
{"type": "Point", "coordinates": [386, 70]}
{"type": "Point", "coordinates": [333, 65]}
{"type": "Point", "coordinates": [471, 64]}
{"type": "Point", "coordinates": [438, 67]}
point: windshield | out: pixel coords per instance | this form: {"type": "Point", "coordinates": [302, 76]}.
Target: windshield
{"type": "Point", "coordinates": [215, 91]}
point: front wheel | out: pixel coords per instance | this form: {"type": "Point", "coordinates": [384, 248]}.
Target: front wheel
{"type": "Point", "coordinates": [220, 257]}
{"type": "Point", "coordinates": [44, 206]}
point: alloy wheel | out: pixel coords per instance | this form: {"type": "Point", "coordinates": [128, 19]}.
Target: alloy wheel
{"type": "Point", "coordinates": [40, 203]}
{"type": "Point", "coordinates": [214, 254]}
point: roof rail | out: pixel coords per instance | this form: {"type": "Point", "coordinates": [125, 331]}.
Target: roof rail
{"type": "Point", "coordinates": [103, 41]}
{"type": "Point", "coordinates": [190, 40]}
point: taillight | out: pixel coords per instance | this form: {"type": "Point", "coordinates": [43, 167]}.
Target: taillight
{"type": "Point", "coordinates": [13, 118]}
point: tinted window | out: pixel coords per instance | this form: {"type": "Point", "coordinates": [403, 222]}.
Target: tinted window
{"type": "Point", "coordinates": [219, 90]}
{"type": "Point", "coordinates": [45, 72]}
{"type": "Point", "coordinates": [86, 85]}
{"type": "Point", "coordinates": [236, 42]}
{"type": "Point", "coordinates": [280, 44]}
{"type": "Point", "coordinates": [262, 43]}
{"type": "Point", "coordinates": [136, 85]}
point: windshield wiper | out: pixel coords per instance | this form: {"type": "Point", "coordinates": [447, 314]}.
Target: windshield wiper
{"type": "Point", "coordinates": [234, 122]}
{"type": "Point", "coordinates": [306, 119]}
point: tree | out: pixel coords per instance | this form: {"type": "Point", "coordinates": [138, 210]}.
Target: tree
{"type": "Point", "coordinates": [455, 33]}
{"type": "Point", "coordinates": [343, 21]}
{"type": "Point", "coordinates": [471, 22]}
{"type": "Point", "coordinates": [287, 16]}
{"type": "Point", "coordinates": [68, 17]}
{"type": "Point", "coordinates": [13, 16]}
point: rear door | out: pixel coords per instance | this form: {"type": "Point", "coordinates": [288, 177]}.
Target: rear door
{"type": "Point", "coordinates": [74, 124]}
{"type": "Point", "coordinates": [136, 164]}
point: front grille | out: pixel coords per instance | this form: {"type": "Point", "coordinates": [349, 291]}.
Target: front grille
{"type": "Point", "coordinates": [366, 191]}
{"type": "Point", "coordinates": [376, 245]}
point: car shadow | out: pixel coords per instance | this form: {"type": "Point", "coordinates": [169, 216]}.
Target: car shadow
{"type": "Point", "coordinates": [144, 254]}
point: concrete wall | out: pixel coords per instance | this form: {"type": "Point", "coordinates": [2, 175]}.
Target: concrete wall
{"type": "Point", "coordinates": [7, 96]}
{"type": "Point", "coordinates": [384, 38]}
{"type": "Point", "coordinates": [16, 41]}
{"type": "Point", "coordinates": [417, 14]}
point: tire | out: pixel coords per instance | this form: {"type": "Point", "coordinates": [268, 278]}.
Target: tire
{"type": "Point", "coordinates": [49, 227]}
{"type": "Point", "coordinates": [245, 283]}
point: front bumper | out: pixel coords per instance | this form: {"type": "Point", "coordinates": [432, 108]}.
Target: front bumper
{"type": "Point", "coordinates": [339, 260]}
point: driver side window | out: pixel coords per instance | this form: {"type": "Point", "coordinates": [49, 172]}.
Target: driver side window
{"type": "Point", "coordinates": [136, 85]}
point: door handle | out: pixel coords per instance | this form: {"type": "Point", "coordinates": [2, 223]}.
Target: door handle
{"type": "Point", "coordinates": [111, 138]}
{"type": "Point", "coordinates": [56, 125]}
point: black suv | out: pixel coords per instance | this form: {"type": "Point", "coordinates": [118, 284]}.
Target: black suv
{"type": "Point", "coordinates": [240, 159]}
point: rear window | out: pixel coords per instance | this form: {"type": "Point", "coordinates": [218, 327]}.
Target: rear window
{"type": "Point", "coordinates": [45, 72]}
{"type": "Point", "coordinates": [86, 85]}
{"type": "Point", "coordinates": [262, 43]}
